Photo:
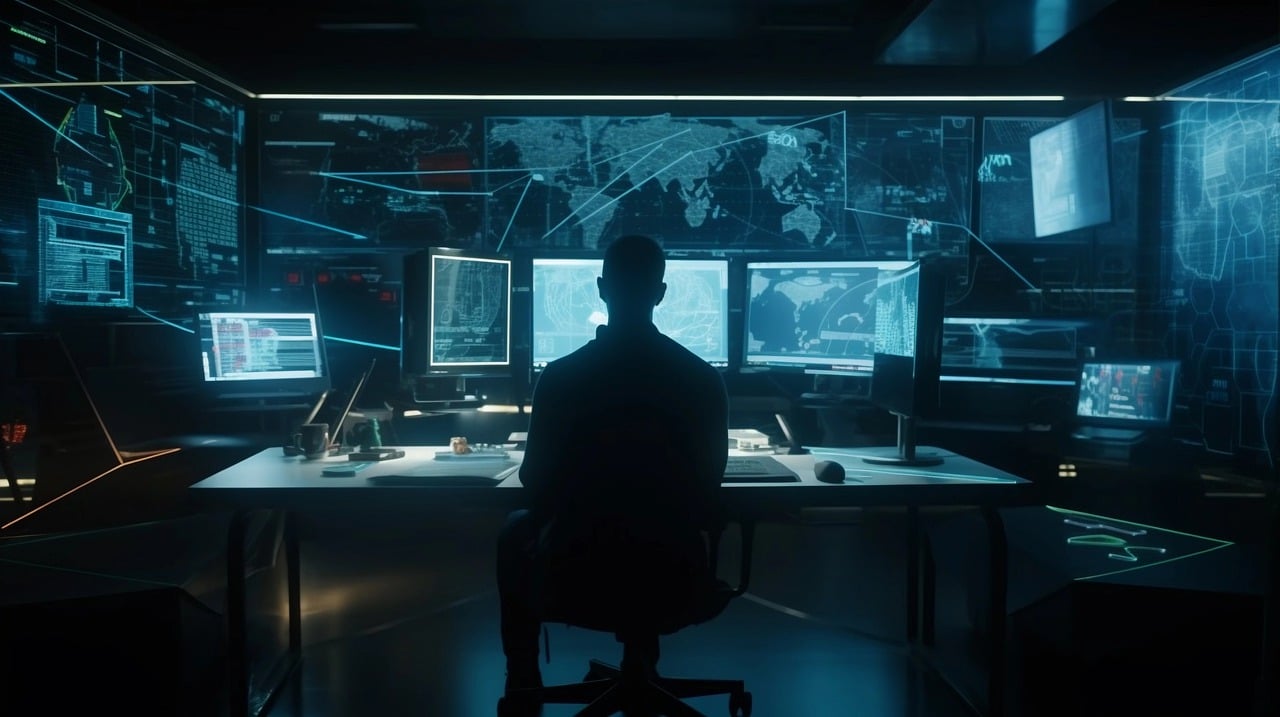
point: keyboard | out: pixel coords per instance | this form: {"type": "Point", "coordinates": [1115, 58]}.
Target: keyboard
{"type": "Point", "coordinates": [1103, 433]}
{"type": "Point", "coordinates": [437, 481]}
{"type": "Point", "coordinates": [757, 469]}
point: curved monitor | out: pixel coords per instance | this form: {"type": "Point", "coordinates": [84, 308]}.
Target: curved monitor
{"type": "Point", "coordinates": [248, 354]}
{"type": "Point", "coordinates": [456, 314]}
{"type": "Point", "coordinates": [1134, 394]}
{"type": "Point", "coordinates": [567, 307]}
{"type": "Point", "coordinates": [819, 316]}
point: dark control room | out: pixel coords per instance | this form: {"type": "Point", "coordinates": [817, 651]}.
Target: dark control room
{"type": "Point", "coordinates": [537, 358]}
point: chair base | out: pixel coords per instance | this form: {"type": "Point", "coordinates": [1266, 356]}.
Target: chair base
{"type": "Point", "coordinates": [607, 690]}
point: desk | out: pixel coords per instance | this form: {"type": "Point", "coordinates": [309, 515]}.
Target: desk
{"type": "Point", "coordinates": [271, 480]}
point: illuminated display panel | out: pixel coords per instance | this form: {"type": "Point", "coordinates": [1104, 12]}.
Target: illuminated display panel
{"type": "Point", "coordinates": [122, 183]}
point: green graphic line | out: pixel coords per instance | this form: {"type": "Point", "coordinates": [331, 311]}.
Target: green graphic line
{"type": "Point", "coordinates": [1066, 511]}
{"type": "Point", "coordinates": [1101, 540]}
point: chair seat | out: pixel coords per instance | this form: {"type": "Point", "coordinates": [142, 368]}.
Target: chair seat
{"type": "Point", "coordinates": [590, 612]}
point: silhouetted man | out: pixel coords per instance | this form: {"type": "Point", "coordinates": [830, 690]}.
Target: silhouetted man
{"type": "Point", "coordinates": [626, 448]}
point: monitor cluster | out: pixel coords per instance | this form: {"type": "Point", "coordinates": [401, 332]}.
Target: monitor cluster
{"type": "Point", "coordinates": [802, 315]}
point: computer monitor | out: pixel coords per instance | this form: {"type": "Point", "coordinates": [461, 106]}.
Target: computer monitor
{"type": "Point", "coordinates": [1071, 172]}
{"type": "Point", "coordinates": [1134, 394]}
{"type": "Point", "coordinates": [456, 314]}
{"type": "Point", "coordinates": [819, 316]}
{"type": "Point", "coordinates": [261, 354]}
{"type": "Point", "coordinates": [567, 307]}
{"type": "Point", "coordinates": [908, 353]}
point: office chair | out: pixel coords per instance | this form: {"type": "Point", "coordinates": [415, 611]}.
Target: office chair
{"type": "Point", "coordinates": [635, 685]}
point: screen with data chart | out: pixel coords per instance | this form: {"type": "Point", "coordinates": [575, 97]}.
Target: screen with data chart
{"type": "Point", "coordinates": [261, 354]}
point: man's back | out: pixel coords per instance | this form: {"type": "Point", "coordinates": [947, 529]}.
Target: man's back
{"type": "Point", "coordinates": [631, 425]}
{"type": "Point", "coordinates": [627, 443]}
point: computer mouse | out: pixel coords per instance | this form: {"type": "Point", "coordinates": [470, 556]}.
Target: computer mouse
{"type": "Point", "coordinates": [829, 471]}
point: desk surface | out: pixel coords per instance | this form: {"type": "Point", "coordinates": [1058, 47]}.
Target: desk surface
{"type": "Point", "coordinates": [271, 479]}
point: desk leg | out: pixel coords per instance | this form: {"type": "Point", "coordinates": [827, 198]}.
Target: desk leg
{"type": "Point", "coordinates": [294, 586]}
{"type": "Point", "coordinates": [237, 640]}
{"type": "Point", "coordinates": [999, 601]}
{"type": "Point", "coordinates": [237, 618]}
{"type": "Point", "coordinates": [929, 588]}
{"type": "Point", "coordinates": [913, 573]}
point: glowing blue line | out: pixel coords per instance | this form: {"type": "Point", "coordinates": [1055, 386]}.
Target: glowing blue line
{"type": "Point", "coordinates": [166, 322]}
{"type": "Point", "coordinates": [440, 171]}
{"type": "Point", "coordinates": [355, 342]}
{"type": "Point", "coordinates": [512, 220]}
{"type": "Point", "coordinates": [56, 131]}
{"type": "Point", "coordinates": [415, 192]}
{"type": "Point", "coordinates": [353, 235]}
{"type": "Point", "coordinates": [637, 149]}
{"type": "Point", "coordinates": [600, 191]}
{"type": "Point", "coordinates": [961, 227]}
{"type": "Point", "coordinates": [508, 184]}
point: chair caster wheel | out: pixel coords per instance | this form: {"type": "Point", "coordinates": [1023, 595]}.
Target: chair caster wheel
{"type": "Point", "coordinates": [740, 704]}
{"type": "Point", "coordinates": [509, 707]}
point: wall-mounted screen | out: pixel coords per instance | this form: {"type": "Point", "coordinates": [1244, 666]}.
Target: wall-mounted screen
{"type": "Point", "coordinates": [1220, 222]}
{"type": "Point", "coordinates": [121, 184]}
{"type": "Point", "coordinates": [567, 307]}
{"type": "Point", "coordinates": [362, 178]}
{"type": "Point", "coordinates": [812, 315]}
{"type": "Point", "coordinates": [1071, 172]}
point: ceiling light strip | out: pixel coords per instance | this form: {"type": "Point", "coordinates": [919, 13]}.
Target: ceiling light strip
{"type": "Point", "coordinates": [129, 83]}
{"type": "Point", "coordinates": [663, 98]}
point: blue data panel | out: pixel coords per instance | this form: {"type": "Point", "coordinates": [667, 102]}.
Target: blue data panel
{"type": "Point", "coordinates": [567, 307]}
{"type": "Point", "coordinates": [122, 184]}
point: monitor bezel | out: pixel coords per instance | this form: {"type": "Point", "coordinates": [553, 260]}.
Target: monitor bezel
{"type": "Point", "coordinates": [1175, 368]}
{"type": "Point", "coordinates": [806, 365]}
{"type": "Point", "coordinates": [302, 386]}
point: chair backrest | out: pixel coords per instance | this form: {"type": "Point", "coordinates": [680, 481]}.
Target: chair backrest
{"type": "Point", "coordinates": [626, 555]}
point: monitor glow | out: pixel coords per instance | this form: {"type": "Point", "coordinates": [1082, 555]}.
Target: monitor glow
{"type": "Point", "coordinates": [1136, 393]}
{"type": "Point", "coordinates": [262, 352]}
{"type": "Point", "coordinates": [567, 307]}
{"type": "Point", "coordinates": [819, 316]}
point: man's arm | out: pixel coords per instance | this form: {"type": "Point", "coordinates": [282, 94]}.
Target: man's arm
{"type": "Point", "coordinates": [537, 470]}
{"type": "Point", "coordinates": [714, 439]}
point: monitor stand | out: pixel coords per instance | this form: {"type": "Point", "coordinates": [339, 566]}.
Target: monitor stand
{"type": "Point", "coordinates": [905, 453]}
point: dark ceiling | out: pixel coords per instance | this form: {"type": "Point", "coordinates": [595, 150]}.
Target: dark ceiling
{"type": "Point", "coordinates": [1073, 47]}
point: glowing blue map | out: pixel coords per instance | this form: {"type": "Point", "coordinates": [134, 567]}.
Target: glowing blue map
{"type": "Point", "coordinates": [1221, 229]}
{"type": "Point", "coordinates": [726, 182]}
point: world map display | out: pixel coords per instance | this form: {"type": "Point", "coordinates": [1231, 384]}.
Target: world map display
{"type": "Point", "coordinates": [713, 182]}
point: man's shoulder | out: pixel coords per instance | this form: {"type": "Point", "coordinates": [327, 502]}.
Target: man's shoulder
{"type": "Point", "coordinates": [693, 365]}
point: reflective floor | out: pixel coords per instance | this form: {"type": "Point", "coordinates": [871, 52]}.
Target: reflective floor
{"type": "Point", "coordinates": [404, 621]}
